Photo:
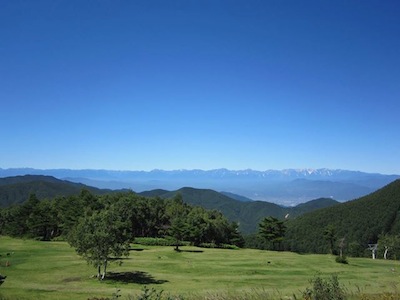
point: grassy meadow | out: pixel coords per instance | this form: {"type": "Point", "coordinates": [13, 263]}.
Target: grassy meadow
{"type": "Point", "coordinates": [52, 270]}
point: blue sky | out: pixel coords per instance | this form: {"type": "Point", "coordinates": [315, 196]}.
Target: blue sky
{"type": "Point", "coordinates": [139, 85]}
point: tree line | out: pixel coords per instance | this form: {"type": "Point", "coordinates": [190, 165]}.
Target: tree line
{"type": "Point", "coordinates": [141, 216]}
{"type": "Point", "coordinates": [101, 228]}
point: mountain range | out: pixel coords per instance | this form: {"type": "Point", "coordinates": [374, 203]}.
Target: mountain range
{"type": "Point", "coordinates": [248, 213]}
{"type": "Point", "coordinates": [285, 187]}
{"type": "Point", "coordinates": [356, 223]}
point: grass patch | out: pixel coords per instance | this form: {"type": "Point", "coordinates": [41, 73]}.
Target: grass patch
{"type": "Point", "coordinates": [52, 270]}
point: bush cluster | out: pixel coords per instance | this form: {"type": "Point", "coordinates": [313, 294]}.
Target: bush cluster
{"type": "Point", "coordinates": [325, 289]}
{"type": "Point", "coordinates": [341, 260]}
{"type": "Point", "coordinates": [149, 241]}
{"type": "Point", "coordinates": [221, 246]}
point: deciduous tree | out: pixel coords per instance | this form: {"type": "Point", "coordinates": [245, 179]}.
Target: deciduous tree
{"type": "Point", "coordinates": [99, 237]}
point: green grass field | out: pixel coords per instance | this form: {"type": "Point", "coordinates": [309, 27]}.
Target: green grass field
{"type": "Point", "coordinates": [52, 270]}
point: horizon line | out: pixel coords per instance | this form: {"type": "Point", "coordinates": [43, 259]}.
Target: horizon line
{"type": "Point", "coordinates": [310, 170]}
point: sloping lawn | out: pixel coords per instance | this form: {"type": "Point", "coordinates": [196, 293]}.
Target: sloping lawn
{"type": "Point", "coordinates": [52, 270]}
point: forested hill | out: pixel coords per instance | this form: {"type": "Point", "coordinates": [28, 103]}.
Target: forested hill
{"type": "Point", "coordinates": [17, 189]}
{"type": "Point", "coordinates": [248, 214]}
{"type": "Point", "coordinates": [359, 222]}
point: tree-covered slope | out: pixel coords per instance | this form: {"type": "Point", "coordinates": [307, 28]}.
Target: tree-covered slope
{"type": "Point", "coordinates": [247, 214]}
{"type": "Point", "coordinates": [17, 189]}
{"type": "Point", "coordinates": [311, 206]}
{"type": "Point", "coordinates": [359, 222]}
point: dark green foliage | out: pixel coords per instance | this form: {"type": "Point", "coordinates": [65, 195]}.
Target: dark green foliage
{"type": "Point", "coordinates": [248, 214]}
{"type": "Point", "coordinates": [220, 246]}
{"type": "Point", "coordinates": [100, 237]}
{"type": "Point", "coordinates": [149, 241]}
{"type": "Point", "coordinates": [389, 247]}
{"type": "Point", "coordinates": [198, 225]}
{"type": "Point", "coordinates": [325, 289]}
{"type": "Point", "coordinates": [15, 190]}
{"type": "Point", "coordinates": [142, 217]}
{"type": "Point", "coordinates": [272, 230]}
{"type": "Point", "coordinates": [330, 236]}
{"type": "Point", "coordinates": [360, 221]}
{"type": "Point", "coordinates": [68, 211]}
{"type": "Point", "coordinates": [34, 219]}
{"type": "Point", "coordinates": [146, 216]}
{"type": "Point", "coordinates": [42, 222]}
{"type": "Point", "coordinates": [341, 260]}
{"type": "Point", "coordinates": [356, 249]}
{"type": "Point", "coordinates": [2, 279]}
{"type": "Point", "coordinates": [177, 230]}
{"type": "Point", "coordinates": [255, 241]}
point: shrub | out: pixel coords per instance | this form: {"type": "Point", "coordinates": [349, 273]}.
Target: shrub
{"type": "Point", "coordinates": [341, 260]}
{"type": "Point", "coordinates": [153, 294]}
{"type": "Point", "coordinates": [325, 289]}
{"type": "Point", "coordinates": [220, 246]}
{"type": "Point", "coordinates": [148, 241]}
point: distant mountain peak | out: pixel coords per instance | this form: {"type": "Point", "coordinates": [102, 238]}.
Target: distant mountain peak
{"type": "Point", "coordinates": [278, 186]}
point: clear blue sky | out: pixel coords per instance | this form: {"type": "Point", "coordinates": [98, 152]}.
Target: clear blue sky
{"type": "Point", "coordinates": [139, 85]}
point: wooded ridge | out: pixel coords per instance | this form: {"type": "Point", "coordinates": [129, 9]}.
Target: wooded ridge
{"type": "Point", "coordinates": [318, 226]}
{"type": "Point", "coordinates": [359, 222]}
{"type": "Point", "coordinates": [248, 214]}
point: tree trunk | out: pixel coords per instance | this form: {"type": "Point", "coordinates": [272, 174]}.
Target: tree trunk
{"type": "Point", "coordinates": [98, 271]}
{"type": "Point", "coordinates": [385, 253]}
{"type": "Point", "coordinates": [104, 270]}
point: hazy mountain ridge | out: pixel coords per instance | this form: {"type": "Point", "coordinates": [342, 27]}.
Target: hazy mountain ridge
{"type": "Point", "coordinates": [286, 187]}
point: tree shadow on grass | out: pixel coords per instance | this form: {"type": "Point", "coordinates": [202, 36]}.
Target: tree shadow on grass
{"type": "Point", "coordinates": [192, 251]}
{"type": "Point", "coordinates": [114, 259]}
{"type": "Point", "coordinates": [136, 249]}
{"type": "Point", "coordinates": [133, 277]}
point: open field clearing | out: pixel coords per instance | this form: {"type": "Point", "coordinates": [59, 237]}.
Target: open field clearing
{"type": "Point", "coordinates": [52, 270]}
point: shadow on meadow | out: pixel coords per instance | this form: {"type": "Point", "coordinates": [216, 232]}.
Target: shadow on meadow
{"type": "Point", "coordinates": [133, 277]}
{"type": "Point", "coordinates": [191, 251]}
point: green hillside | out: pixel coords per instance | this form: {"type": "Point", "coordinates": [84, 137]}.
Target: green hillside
{"type": "Point", "coordinates": [359, 222]}
{"type": "Point", "coordinates": [17, 189]}
{"type": "Point", "coordinates": [247, 214]}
